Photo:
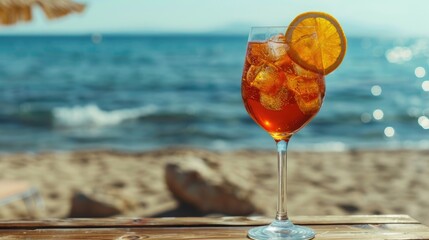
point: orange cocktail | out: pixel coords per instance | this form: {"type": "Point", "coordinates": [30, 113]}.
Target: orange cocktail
{"type": "Point", "coordinates": [278, 94]}
{"type": "Point", "coordinates": [283, 87]}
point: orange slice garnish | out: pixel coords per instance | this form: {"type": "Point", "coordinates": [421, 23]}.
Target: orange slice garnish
{"type": "Point", "coordinates": [322, 53]}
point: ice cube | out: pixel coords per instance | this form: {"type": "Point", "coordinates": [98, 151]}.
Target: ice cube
{"type": "Point", "coordinates": [279, 38]}
{"type": "Point", "coordinates": [307, 93]}
{"type": "Point", "coordinates": [252, 72]}
{"type": "Point", "coordinates": [276, 101]}
{"type": "Point", "coordinates": [277, 47]}
{"type": "Point", "coordinates": [303, 86]}
{"type": "Point", "coordinates": [276, 51]}
{"type": "Point", "coordinates": [269, 79]}
{"type": "Point", "coordinates": [300, 71]}
{"type": "Point", "coordinates": [285, 64]}
{"type": "Point", "coordinates": [257, 53]}
{"type": "Point", "coordinates": [309, 106]}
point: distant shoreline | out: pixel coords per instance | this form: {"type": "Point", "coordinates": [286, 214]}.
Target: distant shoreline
{"type": "Point", "coordinates": [78, 35]}
{"type": "Point", "coordinates": [293, 149]}
{"type": "Point", "coordinates": [172, 35]}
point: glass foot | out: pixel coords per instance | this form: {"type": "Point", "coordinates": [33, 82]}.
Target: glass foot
{"type": "Point", "coordinates": [281, 230]}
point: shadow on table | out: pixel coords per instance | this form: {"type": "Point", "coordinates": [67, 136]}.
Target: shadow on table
{"type": "Point", "coordinates": [182, 210]}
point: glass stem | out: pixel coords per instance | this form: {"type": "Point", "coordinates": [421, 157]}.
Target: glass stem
{"type": "Point", "coordinates": [282, 180]}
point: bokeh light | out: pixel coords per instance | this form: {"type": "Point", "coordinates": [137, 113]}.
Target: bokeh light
{"type": "Point", "coordinates": [413, 112]}
{"type": "Point", "coordinates": [399, 55]}
{"type": "Point", "coordinates": [378, 114]}
{"type": "Point", "coordinates": [389, 131]}
{"type": "Point", "coordinates": [425, 85]}
{"type": "Point", "coordinates": [376, 90]}
{"type": "Point", "coordinates": [423, 122]}
{"type": "Point", "coordinates": [420, 72]}
{"type": "Point", "coordinates": [365, 117]}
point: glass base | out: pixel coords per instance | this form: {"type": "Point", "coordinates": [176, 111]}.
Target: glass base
{"type": "Point", "coordinates": [281, 230]}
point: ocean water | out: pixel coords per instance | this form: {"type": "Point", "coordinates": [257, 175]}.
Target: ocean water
{"type": "Point", "coordinates": [135, 93]}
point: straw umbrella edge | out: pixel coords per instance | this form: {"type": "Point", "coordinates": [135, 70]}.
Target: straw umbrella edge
{"type": "Point", "coordinates": [14, 11]}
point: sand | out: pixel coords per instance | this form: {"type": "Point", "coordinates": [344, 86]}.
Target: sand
{"type": "Point", "coordinates": [319, 183]}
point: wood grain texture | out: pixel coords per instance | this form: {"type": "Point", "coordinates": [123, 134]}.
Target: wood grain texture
{"type": "Point", "coordinates": [203, 221]}
{"type": "Point", "coordinates": [399, 227]}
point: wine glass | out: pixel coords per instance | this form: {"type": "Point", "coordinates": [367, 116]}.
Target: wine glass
{"type": "Point", "coordinates": [282, 97]}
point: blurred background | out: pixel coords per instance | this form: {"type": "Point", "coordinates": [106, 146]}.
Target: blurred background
{"type": "Point", "coordinates": [136, 75]}
{"type": "Point", "coordinates": [133, 108]}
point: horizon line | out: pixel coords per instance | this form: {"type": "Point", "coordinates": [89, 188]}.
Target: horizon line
{"type": "Point", "coordinates": [150, 33]}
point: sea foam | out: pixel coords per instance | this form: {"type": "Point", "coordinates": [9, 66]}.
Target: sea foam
{"type": "Point", "coordinates": [92, 116]}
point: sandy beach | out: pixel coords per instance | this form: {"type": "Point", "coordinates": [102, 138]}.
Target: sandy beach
{"type": "Point", "coordinates": [320, 183]}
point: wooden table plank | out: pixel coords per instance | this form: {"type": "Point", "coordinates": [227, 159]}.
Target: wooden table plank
{"type": "Point", "coordinates": [205, 221]}
{"type": "Point", "coordinates": [208, 233]}
{"type": "Point", "coordinates": [388, 227]}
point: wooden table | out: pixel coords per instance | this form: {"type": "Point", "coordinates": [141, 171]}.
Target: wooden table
{"type": "Point", "coordinates": [326, 227]}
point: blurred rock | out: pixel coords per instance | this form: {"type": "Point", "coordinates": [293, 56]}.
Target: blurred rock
{"type": "Point", "coordinates": [205, 186]}
{"type": "Point", "coordinates": [83, 206]}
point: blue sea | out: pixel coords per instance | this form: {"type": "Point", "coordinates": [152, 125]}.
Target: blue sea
{"type": "Point", "coordinates": [143, 92]}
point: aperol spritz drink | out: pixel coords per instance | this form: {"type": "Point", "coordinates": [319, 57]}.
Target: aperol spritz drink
{"type": "Point", "coordinates": [282, 97]}
{"type": "Point", "coordinates": [279, 95]}
{"type": "Point", "coordinates": [283, 87]}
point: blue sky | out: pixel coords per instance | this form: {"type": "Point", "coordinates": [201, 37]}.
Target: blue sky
{"type": "Point", "coordinates": [363, 17]}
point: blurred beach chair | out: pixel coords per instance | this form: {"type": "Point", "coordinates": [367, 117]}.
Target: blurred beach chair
{"type": "Point", "coordinates": [12, 191]}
